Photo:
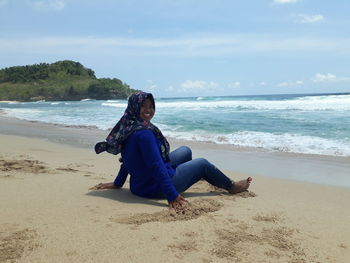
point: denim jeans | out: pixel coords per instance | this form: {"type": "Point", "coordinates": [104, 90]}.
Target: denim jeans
{"type": "Point", "coordinates": [189, 171]}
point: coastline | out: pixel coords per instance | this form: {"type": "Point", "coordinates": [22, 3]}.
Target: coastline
{"type": "Point", "coordinates": [48, 214]}
{"type": "Point", "coordinates": [319, 169]}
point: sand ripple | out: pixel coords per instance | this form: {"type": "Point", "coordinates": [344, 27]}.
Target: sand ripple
{"type": "Point", "coordinates": [26, 166]}
{"type": "Point", "coordinates": [15, 244]}
{"type": "Point", "coordinates": [194, 210]}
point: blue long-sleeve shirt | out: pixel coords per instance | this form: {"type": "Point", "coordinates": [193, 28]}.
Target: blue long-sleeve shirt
{"type": "Point", "coordinates": [150, 175]}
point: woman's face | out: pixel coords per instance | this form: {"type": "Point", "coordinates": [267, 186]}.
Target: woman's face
{"type": "Point", "coordinates": [147, 110]}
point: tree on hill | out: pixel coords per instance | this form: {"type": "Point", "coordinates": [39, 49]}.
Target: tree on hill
{"type": "Point", "coordinates": [43, 71]}
{"type": "Point", "coordinates": [62, 80]}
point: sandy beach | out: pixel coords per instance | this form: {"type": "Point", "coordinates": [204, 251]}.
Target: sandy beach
{"type": "Point", "coordinates": [48, 213]}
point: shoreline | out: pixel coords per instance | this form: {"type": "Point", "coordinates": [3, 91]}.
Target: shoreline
{"type": "Point", "coordinates": [318, 169]}
{"type": "Point", "coordinates": [36, 127]}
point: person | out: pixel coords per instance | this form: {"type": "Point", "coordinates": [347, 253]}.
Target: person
{"type": "Point", "coordinates": [155, 172]}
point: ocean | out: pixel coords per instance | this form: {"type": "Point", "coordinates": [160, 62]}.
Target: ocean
{"type": "Point", "coordinates": [307, 124]}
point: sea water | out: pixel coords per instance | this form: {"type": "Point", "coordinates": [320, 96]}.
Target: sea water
{"type": "Point", "coordinates": [308, 124]}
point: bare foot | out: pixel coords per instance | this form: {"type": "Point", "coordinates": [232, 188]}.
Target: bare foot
{"type": "Point", "coordinates": [240, 186]}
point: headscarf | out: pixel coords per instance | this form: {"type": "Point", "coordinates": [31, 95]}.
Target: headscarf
{"type": "Point", "coordinates": [128, 124]}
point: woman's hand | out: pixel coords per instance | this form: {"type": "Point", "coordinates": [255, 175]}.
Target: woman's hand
{"type": "Point", "coordinates": [179, 204]}
{"type": "Point", "coordinates": [102, 186]}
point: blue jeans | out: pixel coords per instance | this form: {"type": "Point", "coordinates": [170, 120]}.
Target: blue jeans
{"type": "Point", "coordinates": [189, 171]}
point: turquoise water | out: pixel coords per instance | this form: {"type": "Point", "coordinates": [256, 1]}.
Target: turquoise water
{"type": "Point", "coordinates": [310, 124]}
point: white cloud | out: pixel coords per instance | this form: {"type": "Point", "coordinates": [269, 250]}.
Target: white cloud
{"type": "Point", "coordinates": [285, 1]}
{"type": "Point", "coordinates": [151, 86]}
{"type": "Point", "coordinates": [307, 19]}
{"type": "Point", "coordinates": [198, 85]}
{"type": "Point", "coordinates": [282, 84]}
{"type": "Point", "coordinates": [56, 5]}
{"type": "Point", "coordinates": [194, 46]}
{"type": "Point", "coordinates": [3, 2]}
{"type": "Point", "coordinates": [324, 77]}
{"type": "Point", "coordinates": [262, 83]}
{"type": "Point", "coordinates": [290, 83]}
{"type": "Point", "coordinates": [235, 84]}
{"type": "Point", "coordinates": [171, 89]}
{"type": "Point", "coordinates": [328, 77]}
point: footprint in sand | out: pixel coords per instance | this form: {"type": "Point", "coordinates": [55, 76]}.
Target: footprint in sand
{"type": "Point", "coordinates": [272, 218]}
{"type": "Point", "coordinates": [8, 176]}
{"type": "Point", "coordinates": [75, 167]}
{"type": "Point", "coordinates": [15, 244]}
{"type": "Point", "coordinates": [194, 210]}
{"type": "Point", "coordinates": [342, 246]}
{"type": "Point", "coordinates": [244, 241]}
{"type": "Point", "coordinates": [25, 165]}
{"type": "Point", "coordinates": [84, 165]}
{"type": "Point", "coordinates": [182, 248]}
{"type": "Point", "coordinates": [185, 246]}
{"type": "Point", "coordinates": [67, 169]}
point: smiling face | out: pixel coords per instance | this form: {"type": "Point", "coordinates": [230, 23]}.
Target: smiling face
{"type": "Point", "coordinates": [147, 110]}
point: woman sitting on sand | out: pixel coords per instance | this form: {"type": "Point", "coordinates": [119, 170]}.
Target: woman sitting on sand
{"type": "Point", "coordinates": [156, 173]}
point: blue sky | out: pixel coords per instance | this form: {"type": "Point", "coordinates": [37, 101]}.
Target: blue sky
{"type": "Point", "coordinates": [187, 47]}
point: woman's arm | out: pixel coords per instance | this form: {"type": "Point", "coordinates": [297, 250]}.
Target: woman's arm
{"type": "Point", "coordinates": [118, 182]}
{"type": "Point", "coordinates": [150, 153]}
{"type": "Point", "coordinates": [121, 177]}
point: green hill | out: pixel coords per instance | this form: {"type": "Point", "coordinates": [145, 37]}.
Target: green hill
{"type": "Point", "coordinates": [62, 80]}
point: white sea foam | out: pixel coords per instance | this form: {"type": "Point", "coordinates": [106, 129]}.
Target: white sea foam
{"type": "Point", "coordinates": [275, 142]}
{"type": "Point", "coordinates": [310, 103]}
{"type": "Point", "coordinates": [23, 113]}
{"type": "Point", "coordinates": [114, 104]}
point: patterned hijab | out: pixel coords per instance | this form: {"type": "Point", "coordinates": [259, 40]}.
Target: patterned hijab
{"type": "Point", "coordinates": [128, 124]}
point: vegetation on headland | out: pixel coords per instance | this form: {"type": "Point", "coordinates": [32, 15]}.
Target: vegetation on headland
{"type": "Point", "coordinates": [62, 80]}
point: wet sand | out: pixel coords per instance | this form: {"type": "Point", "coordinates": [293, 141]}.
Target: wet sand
{"type": "Point", "coordinates": [326, 170]}
{"type": "Point", "coordinates": [49, 215]}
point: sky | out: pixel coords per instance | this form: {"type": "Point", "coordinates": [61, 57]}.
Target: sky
{"type": "Point", "coordinates": [179, 48]}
